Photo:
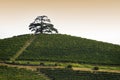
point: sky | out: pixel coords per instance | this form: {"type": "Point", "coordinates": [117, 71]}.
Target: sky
{"type": "Point", "coordinates": [92, 19]}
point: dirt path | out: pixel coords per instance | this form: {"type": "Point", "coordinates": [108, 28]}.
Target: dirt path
{"type": "Point", "coordinates": [88, 69]}
{"type": "Point", "coordinates": [34, 68]}
{"type": "Point", "coordinates": [22, 49]}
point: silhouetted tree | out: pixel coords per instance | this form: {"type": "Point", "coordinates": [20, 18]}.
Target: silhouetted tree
{"type": "Point", "coordinates": [42, 25]}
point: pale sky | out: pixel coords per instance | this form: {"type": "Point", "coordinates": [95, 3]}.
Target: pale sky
{"type": "Point", "coordinates": [92, 19]}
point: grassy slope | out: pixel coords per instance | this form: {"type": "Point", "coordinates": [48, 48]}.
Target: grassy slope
{"type": "Point", "coordinates": [9, 73]}
{"type": "Point", "coordinates": [9, 46]}
{"type": "Point", "coordinates": [57, 47]}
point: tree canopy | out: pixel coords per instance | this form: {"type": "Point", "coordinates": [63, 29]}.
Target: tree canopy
{"type": "Point", "coordinates": [42, 25]}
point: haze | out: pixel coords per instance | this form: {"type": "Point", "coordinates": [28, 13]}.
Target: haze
{"type": "Point", "coordinates": [92, 19]}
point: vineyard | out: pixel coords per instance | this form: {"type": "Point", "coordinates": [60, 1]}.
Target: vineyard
{"type": "Point", "coordinates": [65, 48]}
{"type": "Point", "coordinates": [45, 52]}
{"type": "Point", "coordinates": [9, 73]}
{"type": "Point", "coordinates": [9, 46]}
{"type": "Point", "coordinates": [68, 74]}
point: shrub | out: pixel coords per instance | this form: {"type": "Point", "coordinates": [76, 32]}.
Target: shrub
{"type": "Point", "coordinates": [13, 62]}
{"type": "Point", "coordinates": [37, 69]}
{"type": "Point", "coordinates": [95, 68]}
{"type": "Point", "coordinates": [69, 67]}
{"type": "Point", "coordinates": [56, 64]}
{"type": "Point", "coordinates": [28, 63]}
{"type": "Point", "coordinates": [42, 64]}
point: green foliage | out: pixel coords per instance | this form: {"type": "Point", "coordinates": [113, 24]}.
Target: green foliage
{"type": "Point", "coordinates": [68, 74]}
{"type": "Point", "coordinates": [69, 67]}
{"type": "Point", "coordinates": [42, 64]}
{"type": "Point", "coordinates": [95, 68]}
{"type": "Point", "coordinates": [61, 48]}
{"type": "Point", "coordinates": [42, 25]}
{"type": "Point", "coordinates": [9, 73]}
{"type": "Point", "coordinates": [65, 48]}
{"type": "Point", "coordinates": [56, 64]}
{"type": "Point", "coordinates": [9, 46]}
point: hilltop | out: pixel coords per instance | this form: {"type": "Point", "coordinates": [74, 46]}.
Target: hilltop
{"type": "Point", "coordinates": [61, 48]}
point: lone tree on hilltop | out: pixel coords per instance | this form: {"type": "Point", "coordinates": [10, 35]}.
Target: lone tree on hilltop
{"type": "Point", "coordinates": [42, 25]}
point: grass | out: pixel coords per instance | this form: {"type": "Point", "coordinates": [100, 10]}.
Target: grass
{"type": "Point", "coordinates": [10, 73]}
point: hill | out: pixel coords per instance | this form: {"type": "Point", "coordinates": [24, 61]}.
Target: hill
{"type": "Point", "coordinates": [62, 48]}
{"type": "Point", "coordinates": [57, 47]}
